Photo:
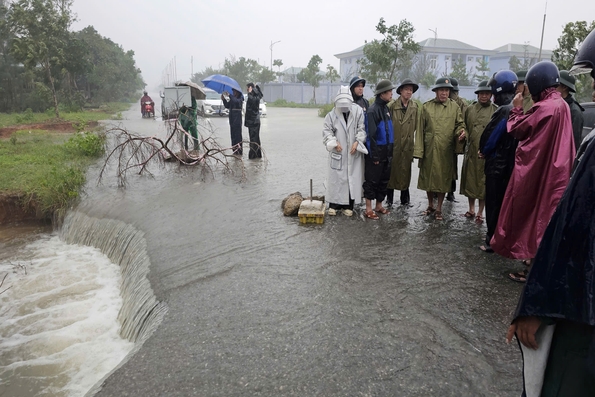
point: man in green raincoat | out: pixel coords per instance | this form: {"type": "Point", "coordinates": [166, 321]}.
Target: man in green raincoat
{"type": "Point", "coordinates": [441, 128]}
{"type": "Point", "coordinates": [405, 114]}
{"type": "Point", "coordinates": [477, 116]}
{"type": "Point", "coordinates": [187, 118]}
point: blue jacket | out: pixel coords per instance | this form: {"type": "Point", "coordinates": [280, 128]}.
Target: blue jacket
{"type": "Point", "coordinates": [380, 131]}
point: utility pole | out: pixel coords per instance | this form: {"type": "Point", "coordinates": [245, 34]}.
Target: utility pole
{"type": "Point", "coordinates": [271, 47]}
{"type": "Point", "coordinates": [542, 29]}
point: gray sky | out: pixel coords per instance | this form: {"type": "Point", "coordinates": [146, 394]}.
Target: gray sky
{"type": "Point", "coordinates": [209, 31]}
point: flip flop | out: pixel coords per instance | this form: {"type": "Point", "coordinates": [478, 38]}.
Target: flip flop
{"type": "Point", "coordinates": [519, 277]}
{"type": "Point", "coordinates": [487, 249]}
{"type": "Point", "coordinates": [428, 211]}
{"type": "Point", "coordinates": [438, 216]}
{"type": "Point", "coordinates": [383, 211]}
{"type": "Point", "coordinates": [479, 219]}
{"type": "Point", "coordinates": [469, 214]}
{"type": "Point", "coordinates": [371, 215]}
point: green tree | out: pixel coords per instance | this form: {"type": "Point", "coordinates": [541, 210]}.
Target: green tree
{"type": "Point", "coordinates": [331, 73]}
{"type": "Point", "coordinates": [208, 71]}
{"type": "Point", "coordinates": [482, 71]}
{"type": "Point", "coordinates": [264, 75]}
{"type": "Point", "coordinates": [391, 56]}
{"type": "Point", "coordinates": [514, 64]}
{"type": "Point", "coordinates": [40, 37]}
{"type": "Point", "coordinates": [422, 71]}
{"type": "Point", "coordinates": [573, 34]}
{"type": "Point", "coordinates": [459, 71]}
{"type": "Point", "coordinates": [310, 74]}
{"type": "Point", "coordinates": [278, 63]}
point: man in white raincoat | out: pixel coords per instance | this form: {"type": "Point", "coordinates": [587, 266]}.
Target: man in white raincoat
{"type": "Point", "coordinates": [344, 136]}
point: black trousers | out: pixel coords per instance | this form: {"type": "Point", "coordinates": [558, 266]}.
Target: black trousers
{"type": "Point", "coordinates": [376, 179]}
{"type": "Point", "coordinates": [255, 151]}
{"type": "Point", "coordinates": [495, 190]}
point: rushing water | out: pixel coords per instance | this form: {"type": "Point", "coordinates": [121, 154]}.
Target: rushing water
{"type": "Point", "coordinates": [59, 332]}
{"type": "Point", "coordinates": [260, 305]}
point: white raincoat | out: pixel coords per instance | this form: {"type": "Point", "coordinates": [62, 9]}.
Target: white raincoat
{"type": "Point", "coordinates": [345, 170]}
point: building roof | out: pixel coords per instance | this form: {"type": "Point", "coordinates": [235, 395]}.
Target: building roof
{"type": "Point", "coordinates": [447, 43]}
{"type": "Point", "coordinates": [520, 49]}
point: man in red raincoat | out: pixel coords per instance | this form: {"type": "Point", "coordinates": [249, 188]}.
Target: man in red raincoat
{"type": "Point", "coordinates": [543, 163]}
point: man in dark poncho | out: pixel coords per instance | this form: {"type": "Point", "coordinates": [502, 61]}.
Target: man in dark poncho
{"type": "Point", "coordinates": [556, 311]}
{"type": "Point", "coordinates": [234, 104]}
{"type": "Point", "coordinates": [498, 148]}
{"type": "Point", "coordinates": [252, 120]}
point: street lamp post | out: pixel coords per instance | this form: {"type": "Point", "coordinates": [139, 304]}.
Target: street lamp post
{"type": "Point", "coordinates": [271, 47]}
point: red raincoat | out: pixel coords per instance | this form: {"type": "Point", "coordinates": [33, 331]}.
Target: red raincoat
{"type": "Point", "coordinates": [542, 168]}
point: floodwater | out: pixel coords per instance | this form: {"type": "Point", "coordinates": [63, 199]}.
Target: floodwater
{"type": "Point", "coordinates": [260, 305]}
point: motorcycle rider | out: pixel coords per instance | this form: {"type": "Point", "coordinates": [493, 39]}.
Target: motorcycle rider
{"type": "Point", "coordinates": [146, 98]}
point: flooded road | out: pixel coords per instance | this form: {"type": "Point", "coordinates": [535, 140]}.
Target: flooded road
{"type": "Point", "coordinates": [260, 305]}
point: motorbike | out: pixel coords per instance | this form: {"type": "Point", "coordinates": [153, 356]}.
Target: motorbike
{"type": "Point", "coordinates": [148, 109]}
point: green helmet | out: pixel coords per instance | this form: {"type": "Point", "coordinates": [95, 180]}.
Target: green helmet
{"type": "Point", "coordinates": [483, 87]}
{"type": "Point", "coordinates": [383, 86]}
{"type": "Point", "coordinates": [521, 74]}
{"type": "Point", "coordinates": [443, 82]}
{"type": "Point", "coordinates": [455, 84]}
{"type": "Point", "coordinates": [567, 80]}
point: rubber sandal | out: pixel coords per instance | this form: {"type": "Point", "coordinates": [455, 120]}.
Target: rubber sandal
{"type": "Point", "coordinates": [429, 211]}
{"type": "Point", "coordinates": [371, 215]}
{"type": "Point", "coordinates": [519, 277]}
{"type": "Point", "coordinates": [479, 219]}
{"type": "Point", "coordinates": [469, 214]}
{"type": "Point", "coordinates": [438, 216]}
{"type": "Point", "coordinates": [383, 211]}
{"type": "Point", "coordinates": [486, 249]}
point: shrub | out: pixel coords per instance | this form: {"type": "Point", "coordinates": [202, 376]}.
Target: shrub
{"type": "Point", "coordinates": [86, 143]}
{"type": "Point", "coordinates": [325, 109]}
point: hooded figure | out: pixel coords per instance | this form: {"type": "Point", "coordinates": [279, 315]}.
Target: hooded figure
{"type": "Point", "coordinates": [252, 120]}
{"type": "Point", "coordinates": [543, 163]}
{"type": "Point", "coordinates": [344, 136]}
{"type": "Point", "coordinates": [234, 104]}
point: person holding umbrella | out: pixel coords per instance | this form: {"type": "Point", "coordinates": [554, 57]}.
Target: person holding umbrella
{"type": "Point", "coordinates": [233, 102]}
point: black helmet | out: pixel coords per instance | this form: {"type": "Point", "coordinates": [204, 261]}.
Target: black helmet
{"type": "Point", "coordinates": [144, 92]}
{"type": "Point", "coordinates": [443, 82]}
{"type": "Point", "coordinates": [584, 62]}
{"type": "Point", "coordinates": [503, 81]}
{"type": "Point", "coordinates": [455, 84]}
{"type": "Point", "coordinates": [355, 81]}
{"type": "Point", "coordinates": [483, 87]}
{"type": "Point", "coordinates": [567, 80]}
{"type": "Point", "coordinates": [542, 75]}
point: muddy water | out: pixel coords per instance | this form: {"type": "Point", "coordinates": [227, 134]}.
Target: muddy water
{"type": "Point", "coordinates": [259, 305]}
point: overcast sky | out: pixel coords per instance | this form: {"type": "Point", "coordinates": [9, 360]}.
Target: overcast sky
{"type": "Point", "coordinates": [210, 31]}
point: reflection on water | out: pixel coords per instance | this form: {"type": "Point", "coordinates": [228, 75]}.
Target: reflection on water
{"type": "Point", "coordinates": [59, 332]}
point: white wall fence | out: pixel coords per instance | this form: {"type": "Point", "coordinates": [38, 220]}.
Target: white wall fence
{"type": "Point", "coordinates": [326, 92]}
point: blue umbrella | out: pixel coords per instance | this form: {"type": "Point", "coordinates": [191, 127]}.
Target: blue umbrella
{"type": "Point", "coordinates": [220, 83]}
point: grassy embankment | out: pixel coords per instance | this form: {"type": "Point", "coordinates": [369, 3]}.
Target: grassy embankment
{"type": "Point", "coordinates": [46, 169]}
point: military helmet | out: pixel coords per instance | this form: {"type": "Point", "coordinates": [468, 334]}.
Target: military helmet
{"type": "Point", "coordinates": [567, 80]}
{"type": "Point", "coordinates": [383, 86]}
{"type": "Point", "coordinates": [442, 82]}
{"type": "Point", "coordinates": [503, 81]}
{"type": "Point", "coordinates": [355, 81]}
{"type": "Point", "coordinates": [521, 74]}
{"type": "Point", "coordinates": [584, 62]}
{"type": "Point", "coordinates": [407, 82]}
{"type": "Point", "coordinates": [483, 87]}
{"type": "Point", "coordinates": [542, 75]}
{"type": "Point", "coordinates": [455, 84]}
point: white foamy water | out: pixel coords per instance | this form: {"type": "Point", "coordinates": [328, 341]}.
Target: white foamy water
{"type": "Point", "coordinates": [58, 320]}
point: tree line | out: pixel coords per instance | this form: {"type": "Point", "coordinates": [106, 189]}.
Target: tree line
{"type": "Point", "coordinates": [44, 65]}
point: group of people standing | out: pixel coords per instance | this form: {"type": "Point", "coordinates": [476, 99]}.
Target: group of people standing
{"type": "Point", "coordinates": [519, 161]}
{"type": "Point", "coordinates": [234, 102]}
{"type": "Point", "coordinates": [518, 151]}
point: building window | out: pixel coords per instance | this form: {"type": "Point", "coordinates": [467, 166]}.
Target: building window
{"type": "Point", "coordinates": [447, 58]}
{"type": "Point", "coordinates": [477, 59]}
{"type": "Point", "coordinates": [469, 59]}
{"type": "Point", "coordinates": [433, 61]}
